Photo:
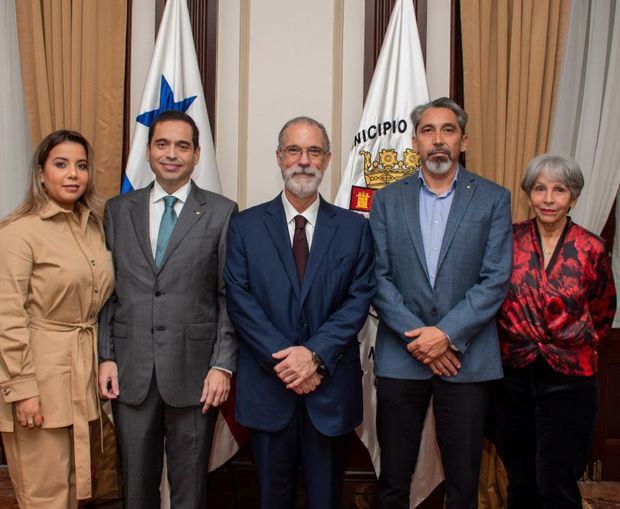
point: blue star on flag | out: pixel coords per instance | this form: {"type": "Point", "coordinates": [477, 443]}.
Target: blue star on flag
{"type": "Point", "coordinates": [166, 102]}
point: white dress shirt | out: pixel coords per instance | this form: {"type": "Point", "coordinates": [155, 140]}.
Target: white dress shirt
{"type": "Point", "coordinates": [310, 214]}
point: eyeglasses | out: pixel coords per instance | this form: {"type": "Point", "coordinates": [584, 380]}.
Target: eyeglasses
{"type": "Point", "coordinates": [293, 152]}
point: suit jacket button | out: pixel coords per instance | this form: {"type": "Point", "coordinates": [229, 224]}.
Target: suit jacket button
{"type": "Point", "coordinates": [157, 294]}
{"type": "Point", "coordinates": [160, 327]}
{"type": "Point", "coordinates": [434, 311]}
{"type": "Point", "coordinates": [6, 391]}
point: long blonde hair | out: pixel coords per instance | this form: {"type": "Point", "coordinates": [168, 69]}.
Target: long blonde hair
{"type": "Point", "coordinates": [36, 197]}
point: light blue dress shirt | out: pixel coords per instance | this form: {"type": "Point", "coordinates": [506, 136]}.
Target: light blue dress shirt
{"type": "Point", "coordinates": [434, 210]}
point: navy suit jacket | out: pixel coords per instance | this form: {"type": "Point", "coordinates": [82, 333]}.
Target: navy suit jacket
{"type": "Point", "coordinates": [474, 267]}
{"type": "Point", "coordinates": [272, 311]}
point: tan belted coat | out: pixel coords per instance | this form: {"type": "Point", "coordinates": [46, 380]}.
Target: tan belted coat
{"type": "Point", "coordinates": [55, 275]}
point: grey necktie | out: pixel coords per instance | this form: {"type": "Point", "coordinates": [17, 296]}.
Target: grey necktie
{"type": "Point", "coordinates": [168, 220]}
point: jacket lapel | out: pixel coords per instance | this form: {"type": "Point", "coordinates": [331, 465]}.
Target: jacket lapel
{"type": "Point", "coordinates": [275, 221]}
{"type": "Point", "coordinates": [324, 231]}
{"type": "Point", "coordinates": [193, 210]}
{"type": "Point", "coordinates": [139, 213]}
{"type": "Point", "coordinates": [465, 188]}
{"type": "Point", "coordinates": [411, 203]}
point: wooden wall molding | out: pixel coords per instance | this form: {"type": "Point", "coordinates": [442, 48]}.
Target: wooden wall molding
{"type": "Point", "coordinates": [376, 20]}
{"type": "Point", "coordinates": [244, 102]}
{"type": "Point", "coordinates": [337, 85]}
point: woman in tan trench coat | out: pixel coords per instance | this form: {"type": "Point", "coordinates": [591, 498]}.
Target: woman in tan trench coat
{"type": "Point", "coordinates": [55, 275]}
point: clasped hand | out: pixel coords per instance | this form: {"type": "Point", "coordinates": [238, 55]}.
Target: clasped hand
{"type": "Point", "coordinates": [431, 347]}
{"type": "Point", "coordinates": [297, 369]}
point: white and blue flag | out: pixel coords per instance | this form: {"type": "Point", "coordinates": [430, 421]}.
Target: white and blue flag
{"type": "Point", "coordinates": [173, 83]}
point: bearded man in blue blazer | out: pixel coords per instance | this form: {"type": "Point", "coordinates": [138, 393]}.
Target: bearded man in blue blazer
{"type": "Point", "coordinates": [299, 275]}
{"type": "Point", "coordinates": [443, 242]}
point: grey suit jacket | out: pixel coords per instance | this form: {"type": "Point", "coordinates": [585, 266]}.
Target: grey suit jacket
{"type": "Point", "coordinates": [172, 320]}
{"type": "Point", "coordinates": [472, 277]}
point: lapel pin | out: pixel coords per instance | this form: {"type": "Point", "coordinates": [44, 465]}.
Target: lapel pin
{"type": "Point", "coordinates": [197, 212]}
{"type": "Point", "coordinates": [468, 186]}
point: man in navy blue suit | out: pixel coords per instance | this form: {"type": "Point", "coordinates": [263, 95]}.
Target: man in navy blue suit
{"type": "Point", "coordinates": [444, 253]}
{"type": "Point", "coordinates": [299, 275]}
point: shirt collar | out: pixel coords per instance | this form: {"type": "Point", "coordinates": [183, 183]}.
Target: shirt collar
{"type": "Point", "coordinates": [52, 209]}
{"type": "Point", "coordinates": [181, 194]}
{"type": "Point", "coordinates": [310, 213]}
{"type": "Point", "coordinates": [422, 182]}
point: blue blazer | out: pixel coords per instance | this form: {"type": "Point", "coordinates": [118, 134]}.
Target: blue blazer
{"type": "Point", "coordinates": [474, 268]}
{"type": "Point", "coordinates": [272, 311]}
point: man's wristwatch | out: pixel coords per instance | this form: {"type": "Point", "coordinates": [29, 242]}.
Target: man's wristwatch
{"type": "Point", "coordinates": [320, 365]}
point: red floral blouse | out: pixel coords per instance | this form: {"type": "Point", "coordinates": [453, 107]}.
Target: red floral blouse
{"type": "Point", "coordinates": [562, 312]}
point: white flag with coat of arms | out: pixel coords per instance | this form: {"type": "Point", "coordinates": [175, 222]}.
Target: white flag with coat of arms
{"type": "Point", "coordinates": [382, 153]}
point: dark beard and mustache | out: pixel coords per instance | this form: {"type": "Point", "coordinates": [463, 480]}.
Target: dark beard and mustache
{"type": "Point", "coordinates": [302, 188]}
{"type": "Point", "coordinates": [441, 166]}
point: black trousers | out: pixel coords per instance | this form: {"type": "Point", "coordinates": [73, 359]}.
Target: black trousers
{"type": "Point", "coordinates": [460, 411]}
{"type": "Point", "coordinates": [141, 431]}
{"type": "Point", "coordinates": [545, 425]}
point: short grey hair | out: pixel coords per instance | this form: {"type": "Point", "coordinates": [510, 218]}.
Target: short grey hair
{"type": "Point", "coordinates": [441, 102]}
{"type": "Point", "coordinates": [556, 167]}
{"type": "Point", "coordinates": [308, 121]}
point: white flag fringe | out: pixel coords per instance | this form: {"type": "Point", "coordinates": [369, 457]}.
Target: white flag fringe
{"type": "Point", "coordinates": [382, 154]}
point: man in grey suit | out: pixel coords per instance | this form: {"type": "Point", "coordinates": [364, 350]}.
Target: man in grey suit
{"type": "Point", "coordinates": [166, 346]}
{"type": "Point", "coordinates": [443, 242]}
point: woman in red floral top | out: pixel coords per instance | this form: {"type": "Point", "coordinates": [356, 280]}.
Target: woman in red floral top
{"type": "Point", "coordinates": [560, 304]}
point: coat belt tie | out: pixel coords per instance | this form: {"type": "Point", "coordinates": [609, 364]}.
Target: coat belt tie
{"type": "Point", "coordinates": [82, 333]}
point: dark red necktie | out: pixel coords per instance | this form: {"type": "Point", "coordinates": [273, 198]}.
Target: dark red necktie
{"type": "Point", "coordinates": [300, 246]}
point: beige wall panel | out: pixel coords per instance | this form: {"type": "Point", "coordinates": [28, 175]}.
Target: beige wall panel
{"type": "Point", "coordinates": [290, 75]}
{"type": "Point", "coordinates": [227, 143]}
{"type": "Point", "coordinates": [438, 48]}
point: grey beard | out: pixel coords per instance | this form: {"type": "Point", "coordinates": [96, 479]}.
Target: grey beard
{"type": "Point", "coordinates": [439, 167]}
{"type": "Point", "coordinates": [305, 188]}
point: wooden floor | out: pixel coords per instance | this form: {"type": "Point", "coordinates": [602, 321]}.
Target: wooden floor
{"type": "Point", "coordinates": [601, 495]}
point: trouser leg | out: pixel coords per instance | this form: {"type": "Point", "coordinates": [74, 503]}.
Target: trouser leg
{"type": "Point", "coordinates": [276, 456]}
{"type": "Point", "coordinates": [516, 438]}
{"type": "Point", "coordinates": [140, 433]}
{"type": "Point", "coordinates": [189, 434]}
{"type": "Point", "coordinates": [401, 409]}
{"type": "Point", "coordinates": [460, 413]}
{"type": "Point", "coordinates": [40, 466]}
{"type": "Point", "coordinates": [323, 461]}
{"type": "Point", "coordinates": [565, 417]}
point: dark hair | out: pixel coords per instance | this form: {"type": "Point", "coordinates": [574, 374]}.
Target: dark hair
{"type": "Point", "coordinates": [441, 102]}
{"type": "Point", "coordinates": [36, 196]}
{"type": "Point", "coordinates": [308, 121]}
{"type": "Point", "coordinates": [166, 116]}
